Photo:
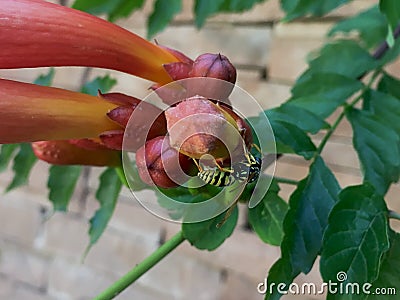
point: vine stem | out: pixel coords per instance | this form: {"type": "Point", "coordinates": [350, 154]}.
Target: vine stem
{"type": "Point", "coordinates": [141, 268]}
{"type": "Point", "coordinates": [394, 215]}
{"type": "Point", "coordinates": [286, 180]}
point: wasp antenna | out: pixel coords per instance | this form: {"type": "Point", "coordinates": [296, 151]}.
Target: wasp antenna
{"type": "Point", "coordinates": [227, 214]}
{"type": "Point", "coordinates": [197, 165]}
{"type": "Point", "coordinates": [222, 169]}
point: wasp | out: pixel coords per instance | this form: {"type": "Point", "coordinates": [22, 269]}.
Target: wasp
{"type": "Point", "coordinates": [247, 170]}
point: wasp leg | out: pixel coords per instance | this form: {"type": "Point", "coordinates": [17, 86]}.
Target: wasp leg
{"type": "Point", "coordinates": [197, 165]}
{"type": "Point", "coordinates": [257, 148]}
{"type": "Point", "coordinates": [227, 214]}
{"type": "Point", "coordinates": [222, 169]}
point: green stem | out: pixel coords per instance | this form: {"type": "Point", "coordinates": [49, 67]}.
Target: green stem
{"type": "Point", "coordinates": [286, 180]}
{"type": "Point", "coordinates": [141, 268]}
{"type": "Point", "coordinates": [121, 175]}
{"type": "Point", "coordinates": [394, 215]}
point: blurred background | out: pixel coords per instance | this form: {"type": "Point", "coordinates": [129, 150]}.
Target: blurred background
{"type": "Point", "coordinates": [40, 253]}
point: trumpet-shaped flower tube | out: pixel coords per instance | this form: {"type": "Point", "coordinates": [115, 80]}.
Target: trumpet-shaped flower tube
{"type": "Point", "coordinates": [66, 153]}
{"type": "Point", "coordinates": [35, 113]}
{"type": "Point", "coordinates": [36, 33]}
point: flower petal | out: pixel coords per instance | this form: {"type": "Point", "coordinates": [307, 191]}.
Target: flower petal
{"type": "Point", "coordinates": [36, 33]}
{"type": "Point", "coordinates": [30, 113]}
{"type": "Point", "coordinates": [65, 153]}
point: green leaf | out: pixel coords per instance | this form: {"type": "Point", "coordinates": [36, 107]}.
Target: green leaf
{"type": "Point", "coordinates": [182, 194]}
{"type": "Point", "coordinates": [267, 217]}
{"type": "Point", "coordinates": [378, 150]}
{"type": "Point", "coordinates": [281, 272]}
{"type": "Point", "coordinates": [61, 183]}
{"type": "Point", "coordinates": [6, 154]}
{"type": "Point", "coordinates": [115, 9]}
{"type": "Point", "coordinates": [323, 93]}
{"type": "Point", "coordinates": [352, 62]}
{"type": "Point", "coordinates": [107, 195]}
{"type": "Point", "coordinates": [386, 108]}
{"type": "Point", "coordinates": [164, 11]}
{"type": "Point", "coordinates": [389, 271]}
{"type": "Point", "coordinates": [205, 8]}
{"type": "Point", "coordinates": [389, 85]}
{"type": "Point", "coordinates": [206, 235]}
{"type": "Point", "coordinates": [22, 166]}
{"type": "Point", "coordinates": [291, 139]}
{"type": "Point", "coordinates": [298, 8]}
{"type": "Point", "coordinates": [391, 9]}
{"type": "Point", "coordinates": [356, 238]}
{"type": "Point", "coordinates": [305, 222]}
{"type": "Point", "coordinates": [298, 116]}
{"type": "Point", "coordinates": [47, 79]}
{"type": "Point", "coordinates": [104, 84]}
{"type": "Point", "coordinates": [370, 25]}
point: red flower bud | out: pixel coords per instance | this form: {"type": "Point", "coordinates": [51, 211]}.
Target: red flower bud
{"type": "Point", "coordinates": [88, 144]}
{"type": "Point", "coordinates": [112, 139]}
{"type": "Point", "coordinates": [159, 164]}
{"type": "Point", "coordinates": [197, 127]}
{"type": "Point", "coordinates": [215, 66]}
{"type": "Point", "coordinates": [148, 122]}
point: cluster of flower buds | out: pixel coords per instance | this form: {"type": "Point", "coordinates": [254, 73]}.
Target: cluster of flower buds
{"type": "Point", "coordinates": [197, 123]}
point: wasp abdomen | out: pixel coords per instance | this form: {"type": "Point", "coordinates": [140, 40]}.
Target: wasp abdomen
{"type": "Point", "coordinates": [216, 177]}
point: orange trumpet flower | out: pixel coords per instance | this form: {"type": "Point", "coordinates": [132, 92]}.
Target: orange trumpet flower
{"type": "Point", "coordinates": [36, 33]}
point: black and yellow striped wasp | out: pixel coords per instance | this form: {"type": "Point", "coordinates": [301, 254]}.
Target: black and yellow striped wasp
{"type": "Point", "coordinates": [247, 171]}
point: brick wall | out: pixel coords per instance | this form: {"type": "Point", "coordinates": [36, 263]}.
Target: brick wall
{"type": "Point", "coordinates": [40, 253]}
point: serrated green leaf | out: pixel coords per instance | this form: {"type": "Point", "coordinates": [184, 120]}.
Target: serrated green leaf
{"type": "Point", "coordinates": [389, 85]}
{"type": "Point", "coordinates": [370, 25]}
{"type": "Point", "coordinates": [6, 154]}
{"type": "Point", "coordinates": [107, 196]}
{"type": "Point", "coordinates": [125, 9]}
{"type": "Point", "coordinates": [391, 9]}
{"type": "Point", "coordinates": [291, 139]}
{"type": "Point", "coordinates": [356, 238]}
{"type": "Point", "coordinates": [298, 8]}
{"type": "Point", "coordinates": [267, 217]}
{"type": "Point", "coordinates": [305, 222]}
{"type": "Point", "coordinates": [378, 150]}
{"type": "Point", "coordinates": [104, 84]}
{"type": "Point", "coordinates": [61, 183]}
{"type": "Point", "coordinates": [302, 118]}
{"type": "Point", "coordinates": [163, 13]}
{"type": "Point", "coordinates": [386, 108]}
{"type": "Point", "coordinates": [114, 9]}
{"type": "Point", "coordinates": [238, 5]}
{"type": "Point", "coordinates": [22, 166]}
{"type": "Point", "coordinates": [47, 79]}
{"type": "Point", "coordinates": [281, 272]}
{"type": "Point", "coordinates": [389, 271]}
{"type": "Point", "coordinates": [323, 93]}
{"type": "Point", "coordinates": [206, 235]}
{"type": "Point", "coordinates": [204, 9]}
{"type": "Point", "coordinates": [353, 61]}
